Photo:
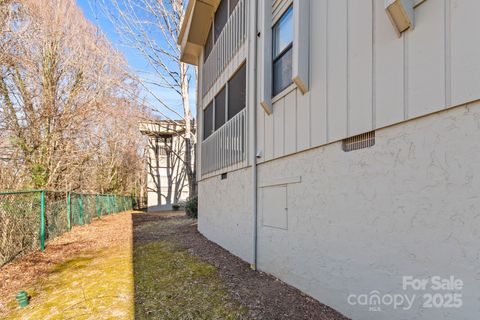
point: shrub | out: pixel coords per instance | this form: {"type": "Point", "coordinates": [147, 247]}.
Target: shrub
{"type": "Point", "coordinates": [191, 208]}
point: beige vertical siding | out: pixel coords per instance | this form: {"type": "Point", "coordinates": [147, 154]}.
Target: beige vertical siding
{"type": "Point", "coordinates": [388, 86]}
{"type": "Point", "coordinates": [463, 50]}
{"type": "Point", "coordinates": [363, 76]}
{"type": "Point", "coordinates": [360, 67]}
{"type": "Point", "coordinates": [337, 69]}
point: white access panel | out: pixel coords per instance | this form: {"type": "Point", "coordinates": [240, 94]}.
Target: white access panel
{"type": "Point", "coordinates": [274, 207]}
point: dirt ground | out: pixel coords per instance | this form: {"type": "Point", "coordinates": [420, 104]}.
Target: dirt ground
{"type": "Point", "coordinates": [263, 296]}
{"type": "Point", "coordinates": [147, 266]}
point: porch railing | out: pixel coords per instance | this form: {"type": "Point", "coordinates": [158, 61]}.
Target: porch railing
{"type": "Point", "coordinates": [226, 146]}
{"type": "Point", "coordinates": [228, 43]}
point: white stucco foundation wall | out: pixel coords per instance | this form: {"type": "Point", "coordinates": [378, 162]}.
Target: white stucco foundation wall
{"type": "Point", "coordinates": [360, 221]}
{"type": "Point", "coordinates": [225, 211]}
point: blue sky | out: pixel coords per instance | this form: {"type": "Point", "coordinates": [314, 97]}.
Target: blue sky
{"type": "Point", "coordinates": [93, 12]}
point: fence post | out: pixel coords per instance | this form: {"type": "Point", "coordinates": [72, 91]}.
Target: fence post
{"type": "Point", "coordinates": [97, 206]}
{"type": "Point", "coordinates": [69, 212]}
{"type": "Point", "coordinates": [80, 204]}
{"type": "Point", "coordinates": [42, 221]}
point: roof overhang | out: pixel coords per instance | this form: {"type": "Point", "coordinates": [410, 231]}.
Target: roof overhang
{"type": "Point", "coordinates": [162, 128]}
{"type": "Point", "coordinates": [195, 27]}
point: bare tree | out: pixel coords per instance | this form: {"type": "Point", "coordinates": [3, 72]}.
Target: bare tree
{"type": "Point", "coordinates": [151, 27]}
{"type": "Point", "coordinates": [67, 100]}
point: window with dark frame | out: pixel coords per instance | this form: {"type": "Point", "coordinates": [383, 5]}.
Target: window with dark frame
{"type": "Point", "coordinates": [220, 106]}
{"type": "Point", "coordinates": [208, 121]}
{"type": "Point", "coordinates": [282, 52]}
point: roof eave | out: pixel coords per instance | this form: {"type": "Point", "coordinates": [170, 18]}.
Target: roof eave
{"type": "Point", "coordinates": [195, 28]}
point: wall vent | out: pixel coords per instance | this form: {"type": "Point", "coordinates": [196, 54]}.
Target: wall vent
{"type": "Point", "coordinates": [364, 140]}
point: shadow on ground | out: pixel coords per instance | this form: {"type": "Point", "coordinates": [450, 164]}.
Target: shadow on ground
{"type": "Point", "coordinates": [170, 283]}
{"type": "Point", "coordinates": [179, 274]}
{"type": "Point", "coordinates": [146, 266]}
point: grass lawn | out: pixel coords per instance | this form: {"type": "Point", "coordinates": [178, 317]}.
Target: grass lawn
{"type": "Point", "coordinates": [147, 266]}
{"type": "Point", "coordinates": [119, 280]}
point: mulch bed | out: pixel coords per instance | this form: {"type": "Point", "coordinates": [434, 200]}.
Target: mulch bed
{"type": "Point", "coordinates": [264, 296]}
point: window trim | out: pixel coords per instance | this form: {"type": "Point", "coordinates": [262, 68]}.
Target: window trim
{"type": "Point", "coordinates": [279, 13]}
{"type": "Point", "coordinates": [284, 92]}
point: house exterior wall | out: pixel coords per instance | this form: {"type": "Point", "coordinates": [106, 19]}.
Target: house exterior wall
{"type": "Point", "coordinates": [359, 221]}
{"type": "Point", "coordinates": [158, 183]}
{"type": "Point", "coordinates": [225, 211]}
{"type": "Point", "coordinates": [356, 222]}
{"type": "Point", "coordinates": [363, 76]}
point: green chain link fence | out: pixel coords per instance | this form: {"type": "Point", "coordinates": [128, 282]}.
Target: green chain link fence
{"type": "Point", "coordinates": [29, 218]}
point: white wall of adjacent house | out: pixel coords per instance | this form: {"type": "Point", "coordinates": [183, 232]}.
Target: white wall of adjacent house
{"type": "Point", "coordinates": [158, 183]}
{"type": "Point", "coordinates": [336, 223]}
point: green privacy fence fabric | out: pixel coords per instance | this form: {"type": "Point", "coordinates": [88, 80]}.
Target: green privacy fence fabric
{"type": "Point", "coordinates": [29, 218]}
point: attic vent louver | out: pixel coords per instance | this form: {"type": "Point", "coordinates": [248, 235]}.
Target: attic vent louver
{"type": "Point", "coordinates": [364, 140]}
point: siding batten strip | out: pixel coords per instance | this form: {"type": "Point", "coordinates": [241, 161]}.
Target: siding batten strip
{"type": "Point", "coordinates": [374, 69]}
{"type": "Point", "coordinates": [405, 76]}
{"type": "Point", "coordinates": [448, 54]}
{"type": "Point", "coordinates": [348, 67]}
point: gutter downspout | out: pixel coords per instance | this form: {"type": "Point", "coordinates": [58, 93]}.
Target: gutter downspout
{"type": "Point", "coordinates": [254, 140]}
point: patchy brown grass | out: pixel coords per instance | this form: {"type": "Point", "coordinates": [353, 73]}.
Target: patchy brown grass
{"type": "Point", "coordinates": [260, 295]}
{"type": "Point", "coordinates": [161, 268]}
{"type": "Point", "coordinates": [61, 277]}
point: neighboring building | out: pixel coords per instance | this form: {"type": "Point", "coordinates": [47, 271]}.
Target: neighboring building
{"type": "Point", "coordinates": [167, 182]}
{"type": "Point", "coordinates": [5, 151]}
{"type": "Point", "coordinates": [339, 145]}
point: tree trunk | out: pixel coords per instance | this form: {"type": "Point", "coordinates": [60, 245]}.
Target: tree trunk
{"type": "Point", "coordinates": [189, 160]}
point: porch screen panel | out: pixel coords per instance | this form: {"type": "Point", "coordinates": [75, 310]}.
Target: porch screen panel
{"type": "Point", "coordinates": [233, 4]}
{"type": "Point", "coordinates": [221, 18]}
{"type": "Point", "coordinates": [208, 121]}
{"type": "Point", "coordinates": [208, 45]}
{"type": "Point", "coordinates": [237, 92]}
{"type": "Point", "coordinates": [220, 106]}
